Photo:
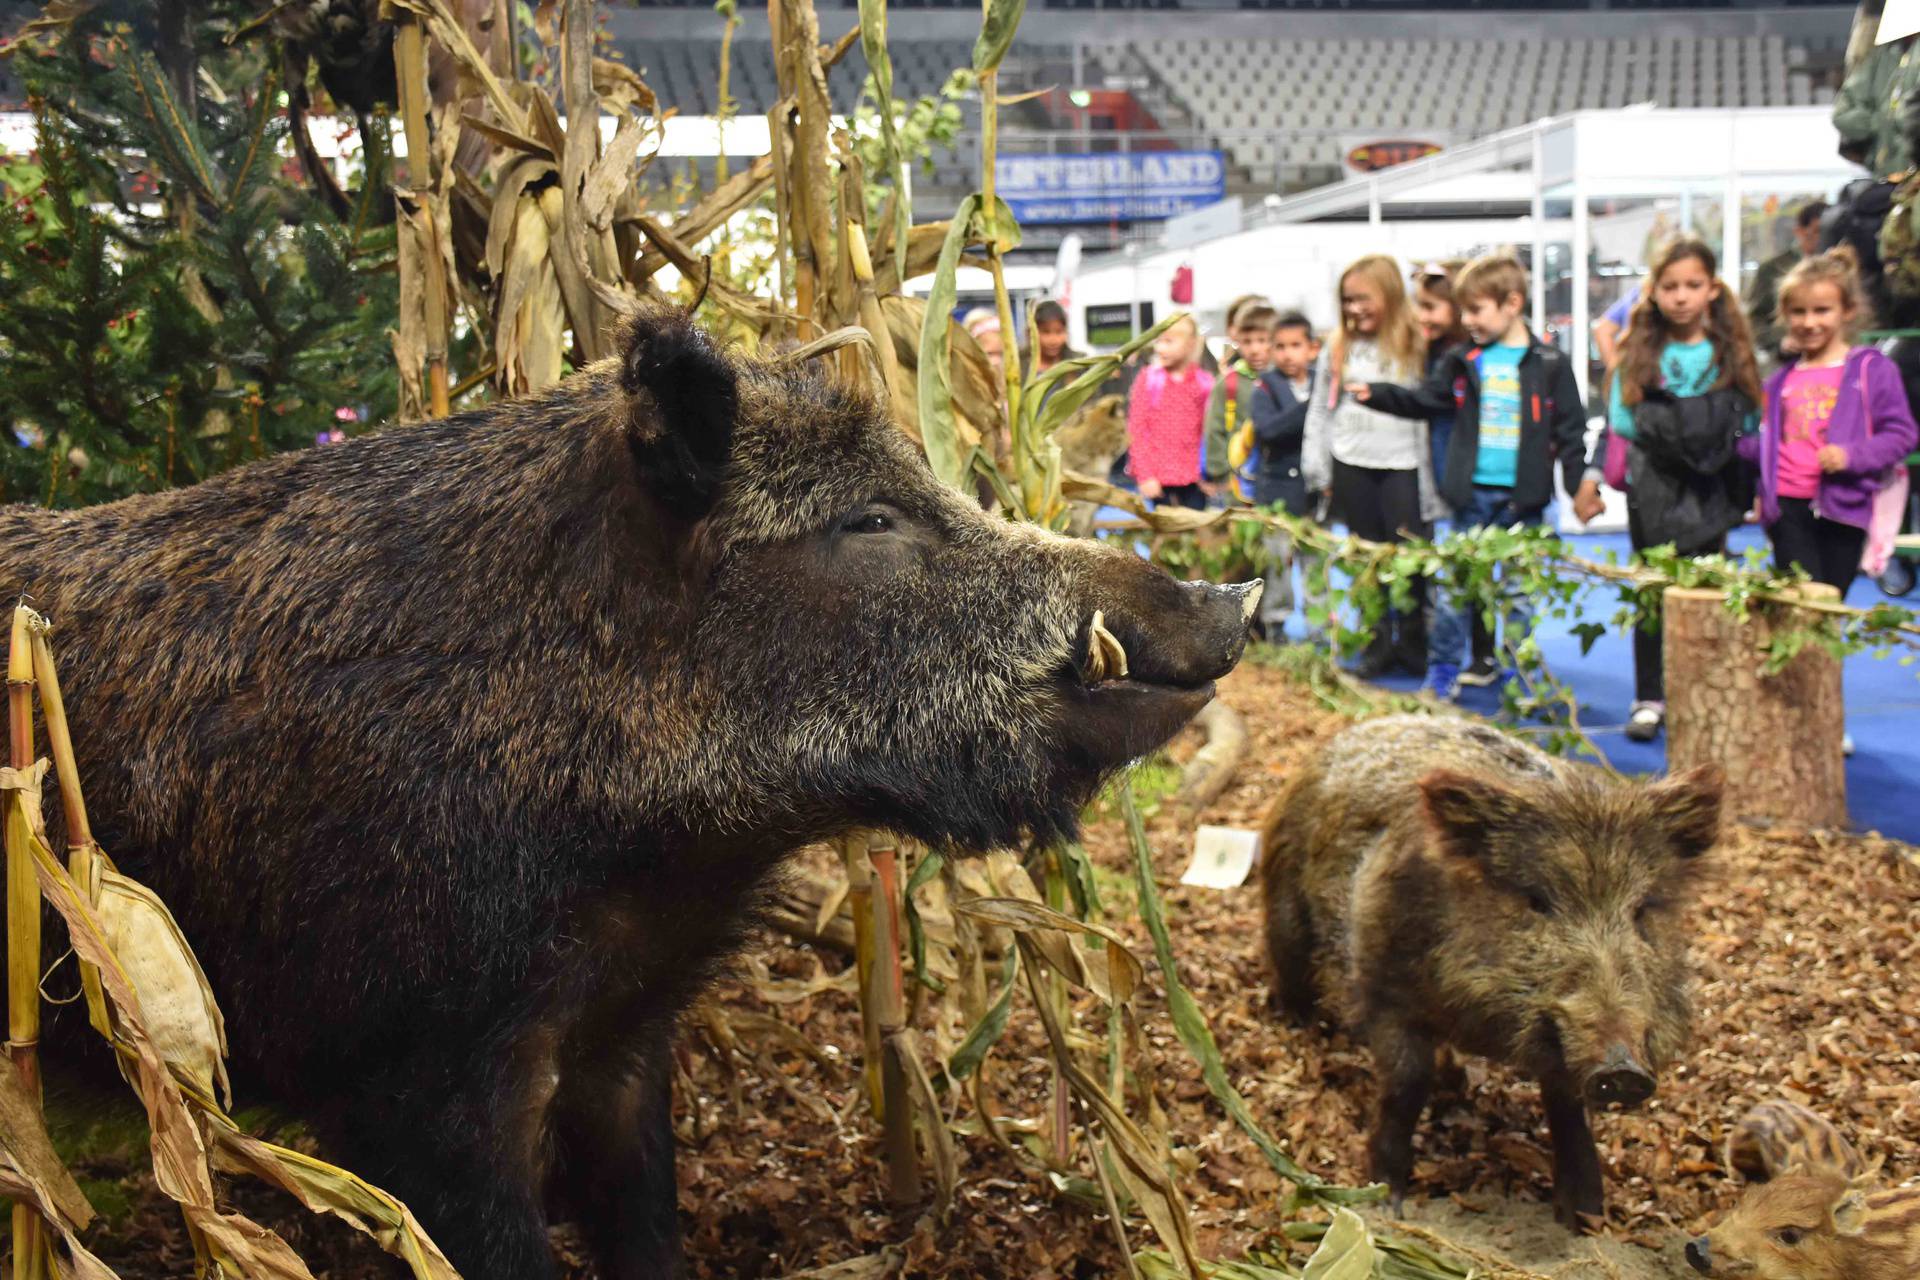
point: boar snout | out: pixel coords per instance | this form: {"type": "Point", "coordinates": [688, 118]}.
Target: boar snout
{"type": "Point", "coordinates": [1146, 658]}
{"type": "Point", "coordinates": [1208, 632]}
{"type": "Point", "coordinates": [1620, 1079]}
{"type": "Point", "coordinates": [1700, 1255]}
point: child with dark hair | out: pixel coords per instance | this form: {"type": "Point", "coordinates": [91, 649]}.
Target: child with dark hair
{"type": "Point", "coordinates": [1229, 408]}
{"type": "Point", "coordinates": [1438, 308]}
{"type": "Point", "coordinates": [1050, 336]}
{"type": "Point", "coordinates": [1687, 385]}
{"type": "Point", "coordinates": [1271, 466]}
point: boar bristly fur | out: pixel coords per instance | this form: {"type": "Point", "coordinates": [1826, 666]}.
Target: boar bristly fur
{"type": "Point", "coordinates": [1779, 1135]}
{"type": "Point", "coordinates": [461, 751]}
{"type": "Point", "coordinates": [1431, 881]}
{"type": "Point", "coordinates": [1814, 1225]}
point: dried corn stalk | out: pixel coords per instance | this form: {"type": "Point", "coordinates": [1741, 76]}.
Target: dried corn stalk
{"type": "Point", "coordinates": [148, 996]}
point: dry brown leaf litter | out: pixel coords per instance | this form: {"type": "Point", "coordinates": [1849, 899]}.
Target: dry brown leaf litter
{"type": "Point", "coordinates": [1805, 947]}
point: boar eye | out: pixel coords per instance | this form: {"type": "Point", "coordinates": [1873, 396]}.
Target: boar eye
{"type": "Point", "coordinates": [868, 522]}
{"type": "Point", "coordinates": [1538, 904]}
{"type": "Point", "coordinates": [1788, 1236]}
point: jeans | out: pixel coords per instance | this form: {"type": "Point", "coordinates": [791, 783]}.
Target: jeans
{"type": "Point", "coordinates": [1453, 619]}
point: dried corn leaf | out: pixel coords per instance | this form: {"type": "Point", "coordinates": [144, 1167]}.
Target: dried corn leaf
{"type": "Point", "coordinates": [1140, 1160]}
{"type": "Point", "coordinates": [622, 88]}
{"type": "Point", "coordinates": [180, 1160]}
{"type": "Point", "coordinates": [1346, 1251]}
{"type": "Point", "coordinates": [177, 1004]}
{"type": "Point", "coordinates": [451, 35]}
{"type": "Point", "coordinates": [712, 212]}
{"type": "Point", "coordinates": [929, 1118]}
{"type": "Point", "coordinates": [612, 173]}
{"type": "Point", "coordinates": [28, 1149]}
{"type": "Point", "coordinates": [1113, 973]}
{"type": "Point", "coordinates": [180, 1167]}
{"type": "Point", "coordinates": [530, 318]}
{"type": "Point", "coordinates": [508, 138]}
{"type": "Point", "coordinates": [324, 1188]}
{"type": "Point", "coordinates": [16, 1185]}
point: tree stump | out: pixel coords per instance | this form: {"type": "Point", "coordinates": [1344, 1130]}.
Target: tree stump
{"type": "Point", "coordinates": [1776, 736]}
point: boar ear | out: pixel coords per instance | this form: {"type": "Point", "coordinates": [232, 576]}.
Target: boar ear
{"type": "Point", "coordinates": [1850, 1212]}
{"type": "Point", "coordinates": [1688, 807]}
{"type": "Point", "coordinates": [682, 398]}
{"type": "Point", "coordinates": [1462, 808]}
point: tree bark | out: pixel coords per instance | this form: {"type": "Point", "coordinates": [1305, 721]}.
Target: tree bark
{"type": "Point", "coordinates": [1778, 737]}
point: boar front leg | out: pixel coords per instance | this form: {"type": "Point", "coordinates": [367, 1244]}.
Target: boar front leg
{"type": "Point", "coordinates": [462, 1158]}
{"type": "Point", "coordinates": [613, 1121]}
{"type": "Point", "coordinates": [1577, 1187]}
{"type": "Point", "coordinates": [1403, 1060]}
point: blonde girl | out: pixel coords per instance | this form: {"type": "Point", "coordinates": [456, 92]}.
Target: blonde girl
{"type": "Point", "coordinates": [1378, 468]}
{"type": "Point", "coordinates": [1837, 419]}
{"type": "Point", "coordinates": [1166, 418]}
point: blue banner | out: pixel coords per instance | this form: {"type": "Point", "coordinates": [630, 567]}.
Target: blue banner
{"type": "Point", "coordinates": [1087, 187]}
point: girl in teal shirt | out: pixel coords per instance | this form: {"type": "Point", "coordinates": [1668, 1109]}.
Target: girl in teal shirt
{"type": "Point", "coordinates": [1688, 337]}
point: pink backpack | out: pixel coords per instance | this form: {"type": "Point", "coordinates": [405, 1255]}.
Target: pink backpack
{"type": "Point", "coordinates": [1889, 506]}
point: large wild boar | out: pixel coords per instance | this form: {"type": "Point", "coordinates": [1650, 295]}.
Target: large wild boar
{"type": "Point", "coordinates": [462, 750]}
{"type": "Point", "coordinates": [1431, 881]}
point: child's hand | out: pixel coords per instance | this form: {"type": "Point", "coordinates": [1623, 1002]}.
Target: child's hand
{"type": "Point", "coordinates": [1209, 488]}
{"type": "Point", "coordinates": [1833, 458]}
{"type": "Point", "coordinates": [1360, 391]}
{"type": "Point", "coordinates": [1150, 489]}
{"type": "Point", "coordinates": [1587, 503]}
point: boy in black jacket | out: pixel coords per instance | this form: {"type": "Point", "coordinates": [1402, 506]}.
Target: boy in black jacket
{"type": "Point", "coordinates": [1278, 414]}
{"type": "Point", "coordinates": [1516, 411]}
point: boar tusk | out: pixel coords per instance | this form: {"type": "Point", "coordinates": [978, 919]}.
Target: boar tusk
{"type": "Point", "coordinates": [1106, 656]}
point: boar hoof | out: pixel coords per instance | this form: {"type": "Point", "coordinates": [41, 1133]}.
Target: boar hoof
{"type": "Point", "coordinates": [1699, 1256]}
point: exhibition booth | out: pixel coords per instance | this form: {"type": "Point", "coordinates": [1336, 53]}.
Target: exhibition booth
{"type": "Point", "coordinates": [1600, 188]}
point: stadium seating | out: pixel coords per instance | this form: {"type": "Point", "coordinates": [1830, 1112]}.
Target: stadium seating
{"type": "Point", "coordinates": [1285, 106]}
{"type": "Point", "coordinates": [1334, 87]}
{"type": "Point", "coordinates": [685, 72]}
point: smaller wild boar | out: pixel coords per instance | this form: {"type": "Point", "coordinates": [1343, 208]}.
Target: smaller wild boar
{"type": "Point", "coordinates": [1814, 1226]}
{"type": "Point", "coordinates": [1090, 441]}
{"type": "Point", "coordinates": [1431, 881]}
{"type": "Point", "coordinates": [1777, 1136]}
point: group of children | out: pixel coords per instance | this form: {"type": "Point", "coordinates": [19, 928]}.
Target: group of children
{"type": "Point", "coordinates": [1443, 404]}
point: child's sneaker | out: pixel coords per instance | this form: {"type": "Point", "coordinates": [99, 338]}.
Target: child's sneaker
{"type": "Point", "coordinates": [1442, 682]}
{"type": "Point", "coordinates": [1483, 672]}
{"type": "Point", "coordinates": [1643, 725]}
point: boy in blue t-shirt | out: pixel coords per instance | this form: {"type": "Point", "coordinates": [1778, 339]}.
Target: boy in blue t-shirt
{"type": "Point", "coordinates": [1516, 410]}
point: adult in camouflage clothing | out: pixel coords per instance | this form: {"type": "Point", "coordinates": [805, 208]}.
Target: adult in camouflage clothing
{"type": "Point", "coordinates": [1866, 112]}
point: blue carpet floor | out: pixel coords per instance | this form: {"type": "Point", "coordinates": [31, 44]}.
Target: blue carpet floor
{"type": "Point", "coordinates": [1883, 707]}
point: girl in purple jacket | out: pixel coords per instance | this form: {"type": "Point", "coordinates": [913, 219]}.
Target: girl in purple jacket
{"type": "Point", "coordinates": [1836, 419]}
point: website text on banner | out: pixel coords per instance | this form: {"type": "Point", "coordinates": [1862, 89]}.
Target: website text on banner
{"type": "Point", "coordinates": [1085, 187]}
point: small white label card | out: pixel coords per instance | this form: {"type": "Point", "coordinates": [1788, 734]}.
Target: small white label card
{"type": "Point", "coordinates": [1222, 857]}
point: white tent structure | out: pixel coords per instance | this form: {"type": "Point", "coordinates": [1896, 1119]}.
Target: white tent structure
{"type": "Point", "coordinates": [1591, 193]}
